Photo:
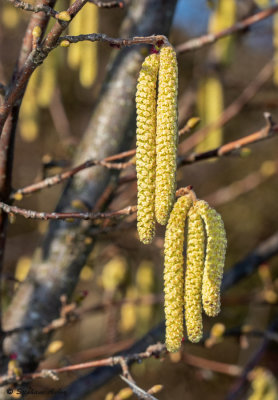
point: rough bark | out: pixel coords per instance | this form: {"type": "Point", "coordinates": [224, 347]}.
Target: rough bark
{"type": "Point", "coordinates": [56, 265]}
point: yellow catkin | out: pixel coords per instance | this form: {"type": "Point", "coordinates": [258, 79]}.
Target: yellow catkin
{"type": "Point", "coordinates": [166, 137]}
{"type": "Point", "coordinates": [195, 253]}
{"type": "Point", "coordinates": [210, 100]}
{"type": "Point", "coordinates": [145, 147]}
{"type": "Point", "coordinates": [174, 273]}
{"type": "Point", "coordinates": [215, 258]}
{"type": "Point", "coordinates": [88, 60]}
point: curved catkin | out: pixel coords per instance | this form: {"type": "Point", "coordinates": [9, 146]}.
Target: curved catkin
{"type": "Point", "coordinates": [215, 258]}
{"type": "Point", "coordinates": [145, 147]}
{"type": "Point", "coordinates": [174, 273]}
{"type": "Point", "coordinates": [166, 137]}
{"type": "Point", "coordinates": [195, 254]}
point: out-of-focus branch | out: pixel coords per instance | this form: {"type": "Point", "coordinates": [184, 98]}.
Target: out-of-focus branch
{"type": "Point", "coordinates": [240, 384]}
{"type": "Point", "coordinates": [33, 60]}
{"type": "Point", "coordinates": [9, 129]}
{"type": "Point", "coordinates": [197, 43]}
{"type": "Point", "coordinates": [233, 109]}
{"type": "Point", "coordinates": [235, 189]}
{"type": "Point", "coordinates": [267, 132]}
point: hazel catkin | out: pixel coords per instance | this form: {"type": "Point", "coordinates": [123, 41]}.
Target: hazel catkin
{"type": "Point", "coordinates": [174, 273]}
{"type": "Point", "coordinates": [166, 135]}
{"type": "Point", "coordinates": [215, 258]}
{"type": "Point", "coordinates": [195, 253]}
{"type": "Point", "coordinates": [145, 147]}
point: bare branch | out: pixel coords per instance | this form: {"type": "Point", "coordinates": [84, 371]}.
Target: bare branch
{"type": "Point", "coordinates": [30, 214]}
{"type": "Point", "coordinates": [115, 42]}
{"type": "Point", "coordinates": [210, 38]}
{"type": "Point", "coordinates": [233, 109]}
{"type": "Point", "coordinates": [226, 149]}
{"type": "Point", "coordinates": [34, 8]}
{"type": "Point", "coordinates": [151, 351]}
{"type": "Point", "coordinates": [108, 4]}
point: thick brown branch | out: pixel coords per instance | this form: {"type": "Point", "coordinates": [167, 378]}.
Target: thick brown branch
{"type": "Point", "coordinates": [210, 38]}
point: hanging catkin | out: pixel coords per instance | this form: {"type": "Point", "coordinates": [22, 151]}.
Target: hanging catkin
{"type": "Point", "coordinates": [215, 258]}
{"type": "Point", "coordinates": [174, 273]}
{"type": "Point", "coordinates": [166, 136]}
{"type": "Point", "coordinates": [195, 253]}
{"type": "Point", "coordinates": [145, 147]}
{"type": "Point", "coordinates": [83, 55]}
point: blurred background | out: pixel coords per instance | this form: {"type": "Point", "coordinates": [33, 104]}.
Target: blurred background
{"type": "Point", "coordinates": [120, 292]}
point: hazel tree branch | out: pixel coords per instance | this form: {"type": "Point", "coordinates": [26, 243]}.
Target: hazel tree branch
{"type": "Point", "coordinates": [108, 4]}
{"type": "Point", "coordinates": [229, 148]}
{"type": "Point", "coordinates": [267, 132]}
{"type": "Point", "coordinates": [233, 109]}
{"type": "Point", "coordinates": [34, 8]}
{"type": "Point", "coordinates": [197, 43]}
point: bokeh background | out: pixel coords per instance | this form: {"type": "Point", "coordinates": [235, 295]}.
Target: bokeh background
{"type": "Point", "coordinates": [123, 279]}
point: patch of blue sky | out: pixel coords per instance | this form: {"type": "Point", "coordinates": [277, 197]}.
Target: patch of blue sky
{"type": "Point", "coordinates": [192, 16]}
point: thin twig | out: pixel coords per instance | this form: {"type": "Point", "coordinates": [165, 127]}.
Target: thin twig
{"type": "Point", "coordinates": [34, 8]}
{"type": "Point", "coordinates": [152, 351]}
{"type": "Point", "coordinates": [30, 214]}
{"type": "Point", "coordinates": [210, 38]}
{"type": "Point", "coordinates": [233, 109]}
{"type": "Point", "coordinates": [108, 4]}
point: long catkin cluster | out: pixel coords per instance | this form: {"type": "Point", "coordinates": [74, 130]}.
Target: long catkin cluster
{"type": "Point", "coordinates": [156, 104]}
{"type": "Point", "coordinates": [200, 288]}
{"type": "Point", "coordinates": [174, 273]}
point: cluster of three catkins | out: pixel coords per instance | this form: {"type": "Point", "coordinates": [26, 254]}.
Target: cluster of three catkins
{"type": "Point", "coordinates": [156, 103]}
